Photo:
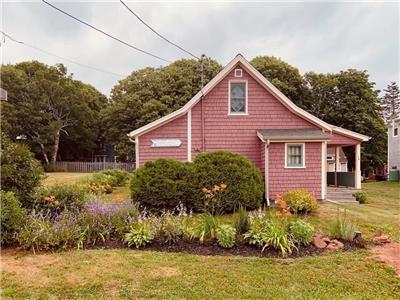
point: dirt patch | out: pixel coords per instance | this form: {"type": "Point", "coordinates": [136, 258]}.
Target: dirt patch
{"type": "Point", "coordinates": [388, 253]}
{"type": "Point", "coordinates": [30, 266]}
{"type": "Point", "coordinates": [165, 272]}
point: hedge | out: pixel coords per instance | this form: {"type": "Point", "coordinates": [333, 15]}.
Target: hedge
{"type": "Point", "coordinates": [164, 183]}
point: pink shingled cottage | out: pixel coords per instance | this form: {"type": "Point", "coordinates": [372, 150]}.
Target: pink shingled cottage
{"type": "Point", "coordinates": [240, 111]}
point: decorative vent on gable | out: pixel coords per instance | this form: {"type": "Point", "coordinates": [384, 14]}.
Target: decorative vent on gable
{"type": "Point", "coordinates": [238, 73]}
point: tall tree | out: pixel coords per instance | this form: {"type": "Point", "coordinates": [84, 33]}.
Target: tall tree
{"type": "Point", "coordinates": [285, 77]}
{"type": "Point", "coordinates": [149, 94]}
{"type": "Point", "coordinates": [391, 101]}
{"type": "Point", "coordinates": [45, 105]}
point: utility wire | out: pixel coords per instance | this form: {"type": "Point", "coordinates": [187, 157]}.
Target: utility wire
{"type": "Point", "coordinates": [105, 33]}
{"type": "Point", "coordinates": [158, 34]}
{"type": "Point", "coordinates": [60, 57]}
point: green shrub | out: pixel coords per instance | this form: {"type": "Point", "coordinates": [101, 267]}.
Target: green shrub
{"type": "Point", "coordinates": [271, 232]}
{"type": "Point", "coordinates": [300, 201]}
{"type": "Point", "coordinates": [120, 177]}
{"type": "Point", "coordinates": [361, 197]}
{"type": "Point", "coordinates": [301, 232]}
{"type": "Point", "coordinates": [243, 180]}
{"type": "Point", "coordinates": [139, 235]}
{"type": "Point", "coordinates": [342, 227]}
{"type": "Point", "coordinates": [12, 217]}
{"type": "Point", "coordinates": [21, 173]}
{"type": "Point", "coordinates": [226, 236]}
{"type": "Point", "coordinates": [60, 197]}
{"type": "Point", "coordinates": [205, 228]}
{"type": "Point", "coordinates": [241, 221]}
{"type": "Point", "coordinates": [163, 184]}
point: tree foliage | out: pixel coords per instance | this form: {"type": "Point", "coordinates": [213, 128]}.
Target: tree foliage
{"type": "Point", "coordinates": [391, 101]}
{"type": "Point", "coordinates": [48, 108]}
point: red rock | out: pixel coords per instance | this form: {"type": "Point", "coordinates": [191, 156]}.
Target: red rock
{"type": "Point", "coordinates": [378, 232]}
{"type": "Point", "coordinates": [319, 242]}
{"type": "Point", "coordinates": [326, 239]}
{"type": "Point", "coordinates": [382, 239]}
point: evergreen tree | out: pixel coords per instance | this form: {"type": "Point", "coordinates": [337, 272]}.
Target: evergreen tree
{"type": "Point", "coordinates": [391, 101]}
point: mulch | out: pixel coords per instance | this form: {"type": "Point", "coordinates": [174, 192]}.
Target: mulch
{"type": "Point", "coordinates": [213, 249]}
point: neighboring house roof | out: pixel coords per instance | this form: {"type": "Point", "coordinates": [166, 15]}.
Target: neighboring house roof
{"type": "Point", "coordinates": [266, 84]}
{"type": "Point", "coordinates": [292, 134]}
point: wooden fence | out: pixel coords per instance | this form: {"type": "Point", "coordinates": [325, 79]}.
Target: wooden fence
{"type": "Point", "coordinates": [85, 166]}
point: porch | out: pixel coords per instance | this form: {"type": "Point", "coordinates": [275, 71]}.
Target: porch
{"type": "Point", "coordinates": [343, 176]}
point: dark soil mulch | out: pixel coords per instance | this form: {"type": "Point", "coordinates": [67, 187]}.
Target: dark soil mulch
{"type": "Point", "coordinates": [240, 249]}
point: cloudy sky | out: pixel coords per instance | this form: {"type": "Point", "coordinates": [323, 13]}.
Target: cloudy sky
{"type": "Point", "coordinates": [321, 37]}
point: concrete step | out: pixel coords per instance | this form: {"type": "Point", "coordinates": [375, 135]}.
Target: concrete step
{"type": "Point", "coordinates": [342, 201]}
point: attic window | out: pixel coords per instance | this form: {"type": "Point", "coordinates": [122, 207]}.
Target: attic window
{"type": "Point", "coordinates": [237, 97]}
{"type": "Point", "coordinates": [238, 73]}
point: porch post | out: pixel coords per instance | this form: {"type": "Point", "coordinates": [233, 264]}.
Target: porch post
{"type": "Point", "coordinates": [266, 177]}
{"type": "Point", "coordinates": [337, 163]}
{"type": "Point", "coordinates": [357, 173]}
{"type": "Point", "coordinates": [323, 170]}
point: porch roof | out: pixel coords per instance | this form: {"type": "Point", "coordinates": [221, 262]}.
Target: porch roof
{"type": "Point", "coordinates": [292, 134]}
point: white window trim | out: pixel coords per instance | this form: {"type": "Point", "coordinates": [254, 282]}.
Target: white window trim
{"type": "Point", "coordinates": [229, 98]}
{"type": "Point", "coordinates": [395, 126]}
{"type": "Point", "coordinates": [304, 155]}
{"type": "Point", "coordinates": [240, 73]}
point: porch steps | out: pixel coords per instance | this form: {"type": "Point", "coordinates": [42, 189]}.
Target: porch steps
{"type": "Point", "coordinates": [341, 195]}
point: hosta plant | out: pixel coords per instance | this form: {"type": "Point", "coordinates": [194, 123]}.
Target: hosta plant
{"type": "Point", "coordinates": [226, 236]}
{"type": "Point", "coordinates": [139, 235]}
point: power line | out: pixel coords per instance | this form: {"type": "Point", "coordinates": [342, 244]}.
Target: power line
{"type": "Point", "coordinates": [158, 34]}
{"type": "Point", "coordinates": [60, 57]}
{"type": "Point", "coordinates": [105, 33]}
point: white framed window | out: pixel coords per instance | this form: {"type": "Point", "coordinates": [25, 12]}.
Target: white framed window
{"type": "Point", "coordinates": [238, 73]}
{"type": "Point", "coordinates": [295, 155]}
{"type": "Point", "coordinates": [395, 130]}
{"type": "Point", "coordinates": [237, 95]}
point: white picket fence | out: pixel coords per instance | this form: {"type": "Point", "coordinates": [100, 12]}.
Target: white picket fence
{"type": "Point", "coordinates": [86, 167]}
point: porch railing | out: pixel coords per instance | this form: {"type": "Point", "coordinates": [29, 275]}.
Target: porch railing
{"type": "Point", "coordinates": [87, 167]}
{"type": "Point", "coordinates": [342, 179]}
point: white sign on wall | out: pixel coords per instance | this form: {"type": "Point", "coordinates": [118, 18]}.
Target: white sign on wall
{"type": "Point", "coordinates": [164, 143]}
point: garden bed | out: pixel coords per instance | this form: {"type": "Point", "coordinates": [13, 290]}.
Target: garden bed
{"type": "Point", "coordinates": [213, 249]}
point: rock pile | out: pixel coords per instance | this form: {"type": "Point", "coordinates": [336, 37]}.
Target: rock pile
{"type": "Point", "coordinates": [380, 239]}
{"type": "Point", "coordinates": [322, 242]}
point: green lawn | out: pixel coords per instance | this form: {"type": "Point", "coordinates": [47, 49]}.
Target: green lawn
{"type": "Point", "coordinates": [381, 211]}
{"type": "Point", "coordinates": [128, 274]}
{"type": "Point", "coordinates": [64, 177]}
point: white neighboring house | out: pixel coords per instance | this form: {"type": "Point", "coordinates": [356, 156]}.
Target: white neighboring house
{"type": "Point", "coordinates": [394, 142]}
{"type": "Point", "coordinates": [331, 158]}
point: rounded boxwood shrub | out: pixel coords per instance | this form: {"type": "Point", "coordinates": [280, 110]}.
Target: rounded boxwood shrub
{"type": "Point", "coordinates": [300, 201]}
{"type": "Point", "coordinates": [21, 173]}
{"type": "Point", "coordinates": [12, 217]}
{"type": "Point", "coordinates": [244, 183]}
{"type": "Point", "coordinates": [163, 184]}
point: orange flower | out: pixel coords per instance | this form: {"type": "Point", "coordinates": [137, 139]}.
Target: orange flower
{"type": "Point", "coordinates": [119, 198]}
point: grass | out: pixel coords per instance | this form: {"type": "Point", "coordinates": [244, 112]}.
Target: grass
{"type": "Point", "coordinates": [127, 274]}
{"type": "Point", "coordinates": [64, 177]}
{"type": "Point", "coordinates": [381, 211]}
{"type": "Point", "coordinates": [71, 178]}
